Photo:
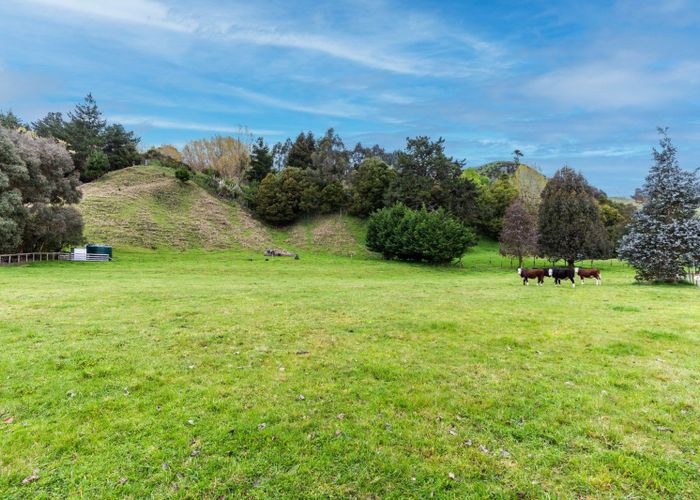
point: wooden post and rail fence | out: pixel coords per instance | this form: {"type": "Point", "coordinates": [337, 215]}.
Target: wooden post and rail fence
{"type": "Point", "coordinates": [26, 258]}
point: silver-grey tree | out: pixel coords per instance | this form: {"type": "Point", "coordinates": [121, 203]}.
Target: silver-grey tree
{"type": "Point", "coordinates": [13, 174]}
{"type": "Point", "coordinates": [664, 236]}
{"type": "Point", "coordinates": [38, 181]}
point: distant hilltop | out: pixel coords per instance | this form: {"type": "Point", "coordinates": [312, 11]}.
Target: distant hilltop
{"type": "Point", "coordinates": [528, 181]}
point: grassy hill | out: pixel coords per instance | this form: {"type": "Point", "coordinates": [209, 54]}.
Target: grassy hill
{"type": "Point", "coordinates": [526, 179]}
{"type": "Point", "coordinates": [626, 200]}
{"type": "Point", "coordinates": [146, 207]}
{"type": "Point", "coordinates": [529, 182]}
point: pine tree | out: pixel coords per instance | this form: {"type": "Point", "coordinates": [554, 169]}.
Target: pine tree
{"type": "Point", "coordinates": [664, 236]}
{"type": "Point", "coordinates": [120, 147]}
{"type": "Point", "coordinates": [260, 161]}
{"type": "Point", "coordinates": [84, 131]}
{"type": "Point", "coordinates": [570, 223]}
{"type": "Point", "coordinates": [52, 125]}
{"type": "Point", "coordinates": [301, 150]}
{"type": "Point", "coordinates": [11, 121]}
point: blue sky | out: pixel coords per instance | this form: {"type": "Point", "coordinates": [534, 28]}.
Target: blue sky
{"type": "Point", "coordinates": [567, 82]}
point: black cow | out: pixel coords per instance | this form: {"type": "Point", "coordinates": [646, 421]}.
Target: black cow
{"type": "Point", "coordinates": [562, 273]}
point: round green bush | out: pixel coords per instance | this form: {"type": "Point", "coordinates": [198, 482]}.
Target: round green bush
{"type": "Point", "coordinates": [421, 235]}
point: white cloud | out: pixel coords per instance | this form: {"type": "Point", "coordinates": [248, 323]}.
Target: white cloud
{"type": "Point", "coordinates": [393, 48]}
{"type": "Point", "coordinates": [372, 57]}
{"type": "Point", "coordinates": [577, 151]}
{"type": "Point", "coordinates": [339, 109]}
{"type": "Point", "coordinates": [155, 122]}
{"type": "Point", "coordinates": [144, 12]}
{"type": "Point", "coordinates": [613, 84]}
{"type": "Point", "coordinates": [612, 152]}
{"type": "Point", "coordinates": [394, 98]}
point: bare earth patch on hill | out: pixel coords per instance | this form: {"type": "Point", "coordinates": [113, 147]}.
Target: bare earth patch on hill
{"type": "Point", "coordinates": [339, 234]}
{"type": "Point", "coordinates": [147, 207]}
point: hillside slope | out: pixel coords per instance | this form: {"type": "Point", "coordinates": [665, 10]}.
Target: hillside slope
{"type": "Point", "coordinates": [337, 234]}
{"type": "Point", "coordinates": [146, 207]}
{"type": "Point", "coordinates": [528, 181]}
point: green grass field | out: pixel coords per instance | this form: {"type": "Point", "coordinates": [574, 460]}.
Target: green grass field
{"type": "Point", "coordinates": [201, 374]}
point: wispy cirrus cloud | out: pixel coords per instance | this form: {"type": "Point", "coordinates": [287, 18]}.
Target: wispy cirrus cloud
{"type": "Point", "coordinates": [141, 12]}
{"type": "Point", "coordinates": [358, 53]}
{"type": "Point", "coordinates": [157, 122]}
{"type": "Point", "coordinates": [337, 108]}
{"type": "Point", "coordinates": [617, 84]}
{"type": "Point", "coordinates": [392, 50]}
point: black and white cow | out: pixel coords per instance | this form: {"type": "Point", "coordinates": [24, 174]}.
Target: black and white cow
{"type": "Point", "coordinates": [562, 273]}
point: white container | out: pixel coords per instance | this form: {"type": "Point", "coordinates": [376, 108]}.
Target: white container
{"type": "Point", "coordinates": [80, 254]}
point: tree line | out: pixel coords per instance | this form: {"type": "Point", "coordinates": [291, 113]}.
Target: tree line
{"type": "Point", "coordinates": [574, 221]}
{"type": "Point", "coordinates": [94, 146]}
{"type": "Point", "coordinates": [402, 192]}
{"type": "Point", "coordinates": [41, 166]}
{"type": "Point", "coordinates": [313, 175]}
{"type": "Point", "coordinates": [38, 183]}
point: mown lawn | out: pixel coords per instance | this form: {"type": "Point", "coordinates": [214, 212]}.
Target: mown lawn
{"type": "Point", "coordinates": [205, 374]}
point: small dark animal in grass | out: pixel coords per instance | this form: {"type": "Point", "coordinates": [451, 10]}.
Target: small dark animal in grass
{"type": "Point", "coordinates": [276, 252]}
{"type": "Point", "coordinates": [527, 274]}
{"type": "Point", "coordinates": [562, 273]}
{"type": "Point", "coordinates": [589, 273]}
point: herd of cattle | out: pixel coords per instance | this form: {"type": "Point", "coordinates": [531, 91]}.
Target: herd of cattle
{"type": "Point", "coordinates": [559, 274]}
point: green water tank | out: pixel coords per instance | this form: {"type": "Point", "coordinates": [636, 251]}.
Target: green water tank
{"type": "Point", "coordinates": [99, 249]}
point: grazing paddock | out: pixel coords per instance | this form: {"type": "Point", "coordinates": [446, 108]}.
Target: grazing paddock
{"type": "Point", "coordinates": [205, 374]}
